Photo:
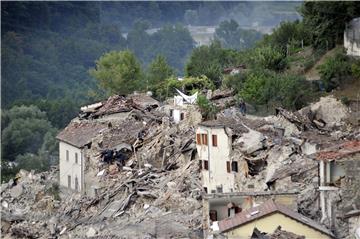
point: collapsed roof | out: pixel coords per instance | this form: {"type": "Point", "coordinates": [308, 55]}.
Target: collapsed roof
{"type": "Point", "coordinates": [79, 134]}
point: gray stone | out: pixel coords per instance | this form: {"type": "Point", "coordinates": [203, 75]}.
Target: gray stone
{"type": "Point", "coordinates": [91, 232]}
{"type": "Point", "coordinates": [16, 191]}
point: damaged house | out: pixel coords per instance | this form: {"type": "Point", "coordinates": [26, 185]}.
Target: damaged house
{"type": "Point", "coordinates": [339, 167]}
{"type": "Point", "coordinates": [103, 134]}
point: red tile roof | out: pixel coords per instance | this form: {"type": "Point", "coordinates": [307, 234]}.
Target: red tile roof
{"type": "Point", "coordinates": [339, 151]}
{"type": "Point", "coordinates": [267, 208]}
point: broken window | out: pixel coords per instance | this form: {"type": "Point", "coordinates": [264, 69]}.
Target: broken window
{"type": "Point", "coordinates": [214, 140]}
{"type": "Point", "coordinates": [228, 169]}
{"type": "Point", "coordinates": [234, 166]}
{"type": "Point", "coordinates": [256, 166]}
{"type": "Point", "coordinates": [182, 116]}
{"type": "Point", "coordinates": [69, 181]}
{"type": "Point", "coordinates": [76, 184]}
{"type": "Point", "coordinates": [213, 215]}
{"type": "Point", "coordinates": [204, 139]}
{"type": "Point", "coordinates": [334, 173]}
{"type": "Point", "coordinates": [198, 139]}
{"type": "Point", "coordinates": [206, 165]}
{"type": "Point", "coordinates": [76, 158]}
{"type": "Point", "coordinates": [67, 155]}
{"type": "Point", "coordinates": [205, 189]}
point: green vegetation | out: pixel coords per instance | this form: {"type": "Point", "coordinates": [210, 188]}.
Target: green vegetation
{"type": "Point", "coordinates": [28, 140]}
{"type": "Point", "coordinates": [207, 108]}
{"type": "Point", "coordinates": [118, 72]}
{"type": "Point", "coordinates": [334, 70]}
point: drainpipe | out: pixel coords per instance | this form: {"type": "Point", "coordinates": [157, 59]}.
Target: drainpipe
{"type": "Point", "coordinates": [322, 193]}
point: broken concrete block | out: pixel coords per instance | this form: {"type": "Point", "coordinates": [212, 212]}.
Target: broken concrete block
{"type": "Point", "coordinates": [91, 232]}
{"type": "Point", "coordinates": [16, 191]}
{"type": "Point", "coordinates": [251, 141]}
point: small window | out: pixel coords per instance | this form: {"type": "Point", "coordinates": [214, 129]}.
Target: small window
{"type": "Point", "coordinates": [206, 165]}
{"type": "Point", "coordinates": [67, 155]}
{"type": "Point", "coordinates": [205, 189]}
{"type": "Point", "coordinates": [213, 215]}
{"type": "Point", "coordinates": [228, 169]}
{"type": "Point", "coordinates": [200, 164]}
{"type": "Point", "coordinates": [198, 139]}
{"type": "Point", "coordinates": [69, 181]}
{"type": "Point", "coordinates": [182, 115]}
{"type": "Point", "coordinates": [76, 184]}
{"type": "Point", "coordinates": [171, 112]}
{"type": "Point", "coordinates": [76, 158]}
{"type": "Point", "coordinates": [214, 140]}
{"type": "Point", "coordinates": [234, 166]}
{"type": "Point", "coordinates": [204, 139]}
{"type": "Point", "coordinates": [219, 189]}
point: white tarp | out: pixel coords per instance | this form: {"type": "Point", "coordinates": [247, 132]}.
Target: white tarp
{"type": "Point", "coordinates": [189, 99]}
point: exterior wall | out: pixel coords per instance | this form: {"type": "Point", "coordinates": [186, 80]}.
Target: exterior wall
{"type": "Point", "coordinates": [354, 226]}
{"type": "Point", "coordinates": [70, 167]}
{"type": "Point", "coordinates": [217, 156]}
{"type": "Point", "coordinates": [352, 38]}
{"type": "Point", "coordinates": [269, 224]}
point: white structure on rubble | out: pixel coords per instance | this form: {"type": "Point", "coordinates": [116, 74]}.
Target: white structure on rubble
{"type": "Point", "coordinates": [72, 150]}
{"type": "Point", "coordinates": [178, 111]}
{"type": "Point", "coordinates": [352, 37]}
{"type": "Point", "coordinates": [214, 147]}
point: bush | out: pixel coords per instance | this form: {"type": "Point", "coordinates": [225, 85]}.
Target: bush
{"type": "Point", "coordinates": [355, 69]}
{"type": "Point", "coordinates": [334, 70]}
{"type": "Point", "coordinates": [268, 88]}
{"type": "Point", "coordinates": [269, 58]}
{"type": "Point", "coordinates": [207, 109]}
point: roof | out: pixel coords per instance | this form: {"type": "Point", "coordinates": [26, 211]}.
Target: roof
{"type": "Point", "coordinates": [238, 124]}
{"type": "Point", "coordinates": [340, 151]}
{"type": "Point", "coordinates": [144, 100]}
{"type": "Point", "coordinates": [267, 208]}
{"type": "Point", "coordinates": [79, 134]}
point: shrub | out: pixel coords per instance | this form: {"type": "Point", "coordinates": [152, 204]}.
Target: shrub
{"type": "Point", "coordinates": [334, 70]}
{"type": "Point", "coordinates": [355, 69]}
{"type": "Point", "coordinates": [207, 109]}
{"type": "Point", "coordinates": [269, 58]}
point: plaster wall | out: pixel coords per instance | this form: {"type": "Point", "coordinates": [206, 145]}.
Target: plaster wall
{"type": "Point", "coordinates": [269, 224]}
{"type": "Point", "coordinates": [217, 157]}
{"type": "Point", "coordinates": [69, 169]}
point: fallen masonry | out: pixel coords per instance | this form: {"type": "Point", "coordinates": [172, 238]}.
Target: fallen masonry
{"type": "Point", "coordinates": [135, 173]}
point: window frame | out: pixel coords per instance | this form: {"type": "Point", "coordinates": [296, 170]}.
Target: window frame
{"type": "Point", "coordinates": [206, 165]}
{"type": "Point", "coordinates": [214, 140]}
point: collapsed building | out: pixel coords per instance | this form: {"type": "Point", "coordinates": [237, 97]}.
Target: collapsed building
{"type": "Point", "coordinates": [245, 161]}
{"type": "Point", "coordinates": [140, 174]}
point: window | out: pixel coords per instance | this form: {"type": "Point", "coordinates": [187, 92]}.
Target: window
{"type": "Point", "coordinates": [171, 112]}
{"type": "Point", "coordinates": [67, 155]}
{"type": "Point", "coordinates": [214, 140]}
{"type": "Point", "coordinates": [206, 165]}
{"type": "Point", "coordinates": [76, 157]}
{"type": "Point", "coordinates": [198, 139]}
{"type": "Point", "coordinates": [231, 166]}
{"type": "Point", "coordinates": [69, 181]}
{"type": "Point", "coordinates": [205, 189]}
{"type": "Point", "coordinates": [219, 189]}
{"type": "Point", "coordinates": [234, 166]}
{"type": "Point", "coordinates": [213, 215]}
{"type": "Point", "coordinates": [76, 184]}
{"type": "Point", "coordinates": [228, 169]}
{"type": "Point", "coordinates": [204, 139]}
{"type": "Point", "coordinates": [182, 116]}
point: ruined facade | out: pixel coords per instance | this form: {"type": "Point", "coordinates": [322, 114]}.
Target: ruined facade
{"type": "Point", "coordinates": [352, 37]}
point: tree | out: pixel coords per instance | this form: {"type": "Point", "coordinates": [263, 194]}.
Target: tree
{"type": "Point", "coordinates": [269, 58]}
{"type": "Point", "coordinates": [326, 21]}
{"type": "Point", "coordinates": [158, 72]}
{"type": "Point", "coordinates": [210, 61]}
{"type": "Point", "coordinates": [118, 72]}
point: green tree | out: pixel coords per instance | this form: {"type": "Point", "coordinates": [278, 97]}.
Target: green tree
{"type": "Point", "coordinates": [158, 72]}
{"type": "Point", "coordinates": [269, 58]}
{"type": "Point", "coordinates": [326, 21]}
{"type": "Point", "coordinates": [118, 72]}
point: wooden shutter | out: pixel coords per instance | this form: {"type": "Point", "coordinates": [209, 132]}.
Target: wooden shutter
{"type": "Point", "coordinates": [204, 139]}
{"type": "Point", "coordinates": [214, 140]}
{"type": "Point", "coordinates": [198, 139]}
{"type": "Point", "coordinates": [228, 167]}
